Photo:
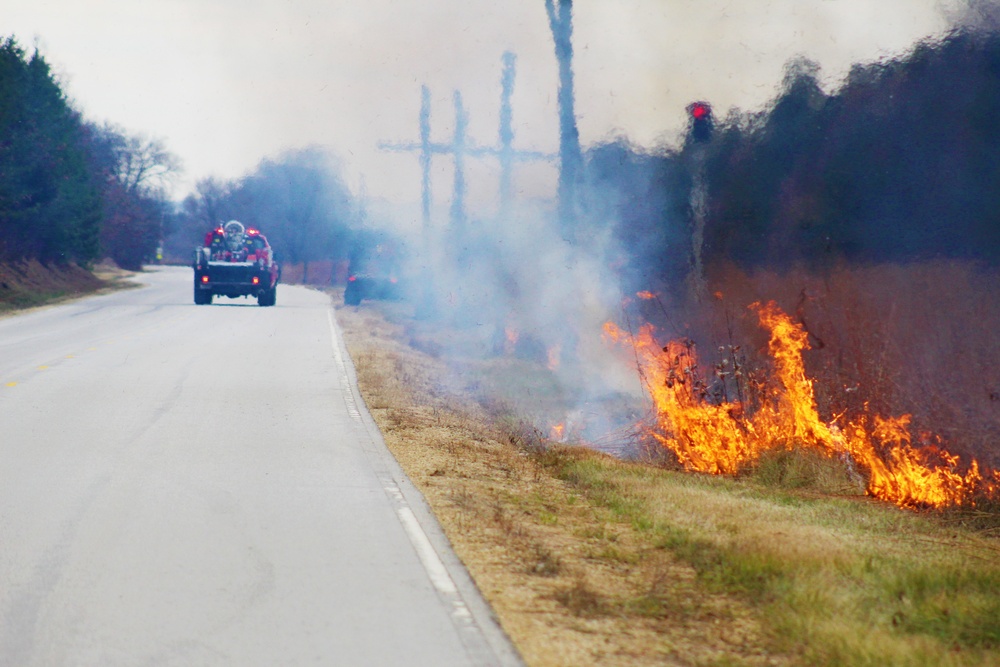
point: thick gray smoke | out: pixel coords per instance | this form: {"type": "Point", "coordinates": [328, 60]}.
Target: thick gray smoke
{"type": "Point", "coordinates": [978, 16]}
{"type": "Point", "coordinates": [530, 284]}
{"type": "Point", "coordinates": [512, 291]}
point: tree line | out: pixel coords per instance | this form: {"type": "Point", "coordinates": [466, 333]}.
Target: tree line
{"type": "Point", "coordinates": [72, 190]}
{"type": "Point", "coordinates": [901, 163]}
{"type": "Point", "coordinates": [297, 199]}
{"type": "Point", "coordinates": [77, 191]}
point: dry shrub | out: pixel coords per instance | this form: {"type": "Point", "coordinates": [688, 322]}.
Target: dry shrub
{"type": "Point", "coordinates": [582, 600]}
{"type": "Point", "coordinates": [513, 429]}
{"type": "Point", "coordinates": [887, 340]}
{"type": "Point", "coordinates": [324, 272]}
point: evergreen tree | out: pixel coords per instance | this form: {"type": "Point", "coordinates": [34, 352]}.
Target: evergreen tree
{"type": "Point", "coordinates": [50, 207]}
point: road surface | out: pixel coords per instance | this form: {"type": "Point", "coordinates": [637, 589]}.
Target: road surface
{"type": "Point", "coordinates": [201, 485]}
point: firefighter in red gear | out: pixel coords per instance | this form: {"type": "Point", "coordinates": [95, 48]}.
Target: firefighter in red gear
{"type": "Point", "coordinates": [229, 243]}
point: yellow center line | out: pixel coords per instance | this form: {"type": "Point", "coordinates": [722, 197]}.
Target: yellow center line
{"type": "Point", "coordinates": [43, 368]}
{"type": "Point", "coordinates": [11, 384]}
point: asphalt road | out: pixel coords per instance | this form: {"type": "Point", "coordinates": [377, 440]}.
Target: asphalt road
{"type": "Point", "coordinates": [201, 485]}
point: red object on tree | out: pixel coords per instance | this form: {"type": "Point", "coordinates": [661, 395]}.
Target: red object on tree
{"type": "Point", "coordinates": [702, 123]}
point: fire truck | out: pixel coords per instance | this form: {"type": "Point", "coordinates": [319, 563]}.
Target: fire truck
{"type": "Point", "coordinates": [235, 261]}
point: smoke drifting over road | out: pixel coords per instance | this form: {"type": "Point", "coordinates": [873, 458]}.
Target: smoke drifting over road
{"type": "Point", "coordinates": [512, 289]}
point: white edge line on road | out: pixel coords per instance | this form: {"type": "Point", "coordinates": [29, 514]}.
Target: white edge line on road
{"type": "Point", "coordinates": [428, 556]}
{"type": "Point", "coordinates": [482, 650]}
{"type": "Point", "coordinates": [432, 562]}
{"type": "Point", "coordinates": [352, 407]}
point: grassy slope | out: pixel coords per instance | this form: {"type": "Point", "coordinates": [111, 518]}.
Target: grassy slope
{"type": "Point", "coordinates": [30, 284]}
{"type": "Point", "coordinates": [590, 560]}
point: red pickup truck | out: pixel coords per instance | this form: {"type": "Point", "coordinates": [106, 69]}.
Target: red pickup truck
{"type": "Point", "coordinates": [235, 261]}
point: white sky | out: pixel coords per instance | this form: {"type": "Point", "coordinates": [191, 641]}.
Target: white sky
{"type": "Point", "coordinates": [225, 83]}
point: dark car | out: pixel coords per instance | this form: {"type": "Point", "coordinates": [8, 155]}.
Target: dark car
{"type": "Point", "coordinates": [372, 274]}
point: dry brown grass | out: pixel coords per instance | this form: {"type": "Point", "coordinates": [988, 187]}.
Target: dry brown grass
{"type": "Point", "coordinates": [592, 560]}
{"type": "Point", "coordinates": [573, 580]}
{"type": "Point", "coordinates": [30, 283]}
{"type": "Point", "coordinates": [889, 339]}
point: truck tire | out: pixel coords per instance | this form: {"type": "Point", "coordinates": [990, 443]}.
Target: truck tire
{"type": "Point", "coordinates": [352, 295]}
{"type": "Point", "coordinates": [202, 297]}
{"type": "Point", "coordinates": [268, 297]}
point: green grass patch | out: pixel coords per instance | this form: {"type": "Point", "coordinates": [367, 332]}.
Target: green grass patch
{"type": "Point", "coordinates": [837, 580]}
{"type": "Point", "coordinates": [22, 300]}
{"type": "Point", "coordinates": [803, 468]}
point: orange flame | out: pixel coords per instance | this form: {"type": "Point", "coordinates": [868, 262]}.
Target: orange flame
{"type": "Point", "coordinates": [719, 438]}
{"type": "Point", "coordinates": [557, 432]}
{"type": "Point", "coordinates": [554, 357]}
{"type": "Point", "coordinates": [645, 295]}
{"type": "Point", "coordinates": [511, 336]}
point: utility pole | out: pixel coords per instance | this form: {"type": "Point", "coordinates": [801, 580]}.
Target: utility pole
{"type": "Point", "coordinates": [505, 152]}
{"type": "Point", "coordinates": [507, 132]}
{"type": "Point", "coordinates": [425, 149]}
{"type": "Point", "coordinates": [570, 156]}
{"type": "Point", "coordinates": [702, 123]}
{"type": "Point", "coordinates": [459, 148]}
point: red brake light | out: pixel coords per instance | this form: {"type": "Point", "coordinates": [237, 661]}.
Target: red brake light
{"type": "Point", "coordinates": [699, 111]}
{"type": "Point", "coordinates": [351, 279]}
{"type": "Point", "coordinates": [204, 279]}
{"type": "Point", "coordinates": [256, 280]}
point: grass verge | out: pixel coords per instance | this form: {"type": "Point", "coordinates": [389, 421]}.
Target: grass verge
{"type": "Point", "coordinates": [31, 284]}
{"type": "Point", "coordinates": [590, 560]}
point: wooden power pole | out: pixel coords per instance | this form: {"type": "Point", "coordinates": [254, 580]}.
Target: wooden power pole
{"type": "Point", "coordinates": [570, 156]}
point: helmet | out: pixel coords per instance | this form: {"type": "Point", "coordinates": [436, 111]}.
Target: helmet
{"type": "Point", "coordinates": [233, 232]}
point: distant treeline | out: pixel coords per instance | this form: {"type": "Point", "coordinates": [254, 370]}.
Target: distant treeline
{"type": "Point", "coordinates": [71, 191]}
{"type": "Point", "coordinates": [297, 199]}
{"type": "Point", "coordinates": [901, 163]}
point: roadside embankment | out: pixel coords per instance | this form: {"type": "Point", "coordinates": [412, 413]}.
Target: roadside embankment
{"type": "Point", "coordinates": [590, 560]}
{"type": "Point", "coordinates": [30, 283]}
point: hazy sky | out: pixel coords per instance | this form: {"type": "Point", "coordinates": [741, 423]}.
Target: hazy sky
{"type": "Point", "coordinates": [225, 83]}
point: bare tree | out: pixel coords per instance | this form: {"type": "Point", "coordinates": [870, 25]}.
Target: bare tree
{"type": "Point", "coordinates": [139, 164]}
{"type": "Point", "coordinates": [210, 205]}
{"type": "Point", "coordinates": [134, 174]}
